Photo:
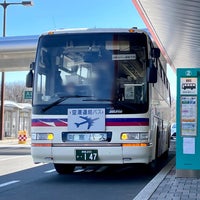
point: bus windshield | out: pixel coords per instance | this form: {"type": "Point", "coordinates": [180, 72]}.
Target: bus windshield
{"type": "Point", "coordinates": [92, 70]}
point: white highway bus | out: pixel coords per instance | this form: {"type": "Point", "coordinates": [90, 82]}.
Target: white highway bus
{"type": "Point", "coordinates": [100, 96]}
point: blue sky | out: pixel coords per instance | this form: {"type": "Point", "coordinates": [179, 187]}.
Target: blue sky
{"type": "Point", "coordinates": [46, 15]}
{"type": "Point", "coordinates": [55, 14]}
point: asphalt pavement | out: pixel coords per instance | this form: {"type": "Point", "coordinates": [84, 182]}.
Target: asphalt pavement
{"type": "Point", "coordinates": [164, 186]}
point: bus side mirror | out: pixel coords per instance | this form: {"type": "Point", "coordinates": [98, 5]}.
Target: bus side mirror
{"type": "Point", "coordinates": [29, 77]}
{"type": "Point", "coordinates": [151, 73]}
{"type": "Point", "coordinates": [155, 53]}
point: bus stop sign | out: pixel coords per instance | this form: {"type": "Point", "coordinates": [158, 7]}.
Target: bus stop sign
{"type": "Point", "coordinates": [188, 132]}
{"type": "Point", "coordinates": [27, 94]}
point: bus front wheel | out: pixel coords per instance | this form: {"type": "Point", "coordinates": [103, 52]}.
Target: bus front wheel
{"type": "Point", "coordinates": [64, 168]}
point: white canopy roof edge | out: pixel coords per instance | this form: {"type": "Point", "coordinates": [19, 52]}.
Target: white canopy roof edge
{"type": "Point", "coordinates": [174, 25]}
{"type": "Point", "coordinates": [16, 53]}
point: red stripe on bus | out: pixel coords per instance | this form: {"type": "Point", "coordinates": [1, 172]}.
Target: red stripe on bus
{"type": "Point", "coordinates": [41, 144]}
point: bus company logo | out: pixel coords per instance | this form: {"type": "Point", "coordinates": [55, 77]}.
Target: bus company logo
{"type": "Point", "coordinates": [188, 73]}
{"type": "Point", "coordinates": [87, 120]}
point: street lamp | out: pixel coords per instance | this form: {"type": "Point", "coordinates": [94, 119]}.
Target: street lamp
{"type": "Point", "coordinates": [5, 5]}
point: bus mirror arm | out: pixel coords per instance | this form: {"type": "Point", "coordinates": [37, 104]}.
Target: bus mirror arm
{"type": "Point", "coordinates": [29, 76]}
{"type": "Point", "coordinates": [151, 72]}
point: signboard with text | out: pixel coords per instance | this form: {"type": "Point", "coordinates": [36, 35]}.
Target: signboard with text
{"type": "Point", "coordinates": [189, 85]}
{"type": "Point", "coordinates": [27, 94]}
{"type": "Point", "coordinates": [188, 115]}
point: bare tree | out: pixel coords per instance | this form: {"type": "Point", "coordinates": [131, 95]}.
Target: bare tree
{"type": "Point", "coordinates": [14, 91]}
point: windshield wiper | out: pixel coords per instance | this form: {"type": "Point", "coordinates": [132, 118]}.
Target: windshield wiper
{"type": "Point", "coordinates": [97, 100]}
{"type": "Point", "coordinates": [60, 100]}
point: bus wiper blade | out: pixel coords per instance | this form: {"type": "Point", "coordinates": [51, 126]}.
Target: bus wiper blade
{"type": "Point", "coordinates": [97, 100]}
{"type": "Point", "coordinates": [60, 100]}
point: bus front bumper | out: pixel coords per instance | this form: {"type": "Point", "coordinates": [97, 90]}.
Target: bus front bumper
{"type": "Point", "coordinates": [116, 154]}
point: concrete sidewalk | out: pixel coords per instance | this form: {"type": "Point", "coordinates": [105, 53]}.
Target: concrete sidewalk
{"type": "Point", "coordinates": [174, 188]}
{"type": "Point", "coordinates": [166, 186]}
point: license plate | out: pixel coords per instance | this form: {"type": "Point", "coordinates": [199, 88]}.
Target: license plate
{"type": "Point", "coordinates": [87, 155]}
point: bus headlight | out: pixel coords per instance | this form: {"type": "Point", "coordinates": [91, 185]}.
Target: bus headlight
{"type": "Point", "coordinates": [134, 136]}
{"type": "Point", "coordinates": [42, 136]}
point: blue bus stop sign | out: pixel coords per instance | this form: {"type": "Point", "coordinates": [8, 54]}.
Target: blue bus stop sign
{"type": "Point", "coordinates": [187, 119]}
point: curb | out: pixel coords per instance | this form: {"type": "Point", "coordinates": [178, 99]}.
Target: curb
{"type": "Point", "coordinates": [14, 142]}
{"type": "Point", "coordinates": [150, 188]}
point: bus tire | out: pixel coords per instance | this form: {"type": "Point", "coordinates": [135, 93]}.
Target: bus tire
{"type": "Point", "coordinates": [152, 166]}
{"type": "Point", "coordinates": [64, 168]}
{"type": "Point", "coordinates": [166, 154]}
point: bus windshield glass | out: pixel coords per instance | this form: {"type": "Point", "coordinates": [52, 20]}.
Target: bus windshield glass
{"type": "Point", "coordinates": [92, 70]}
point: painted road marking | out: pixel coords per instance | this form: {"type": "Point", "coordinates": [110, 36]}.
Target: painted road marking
{"type": "Point", "coordinates": [79, 170]}
{"type": "Point", "coordinates": [9, 183]}
{"type": "Point", "coordinates": [101, 169]}
{"type": "Point", "coordinates": [50, 171]}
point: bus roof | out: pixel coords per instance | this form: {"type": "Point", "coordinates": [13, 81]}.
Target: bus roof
{"type": "Point", "coordinates": [95, 30]}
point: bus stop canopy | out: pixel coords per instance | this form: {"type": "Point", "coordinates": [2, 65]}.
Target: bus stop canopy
{"type": "Point", "coordinates": [16, 53]}
{"type": "Point", "coordinates": [175, 26]}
